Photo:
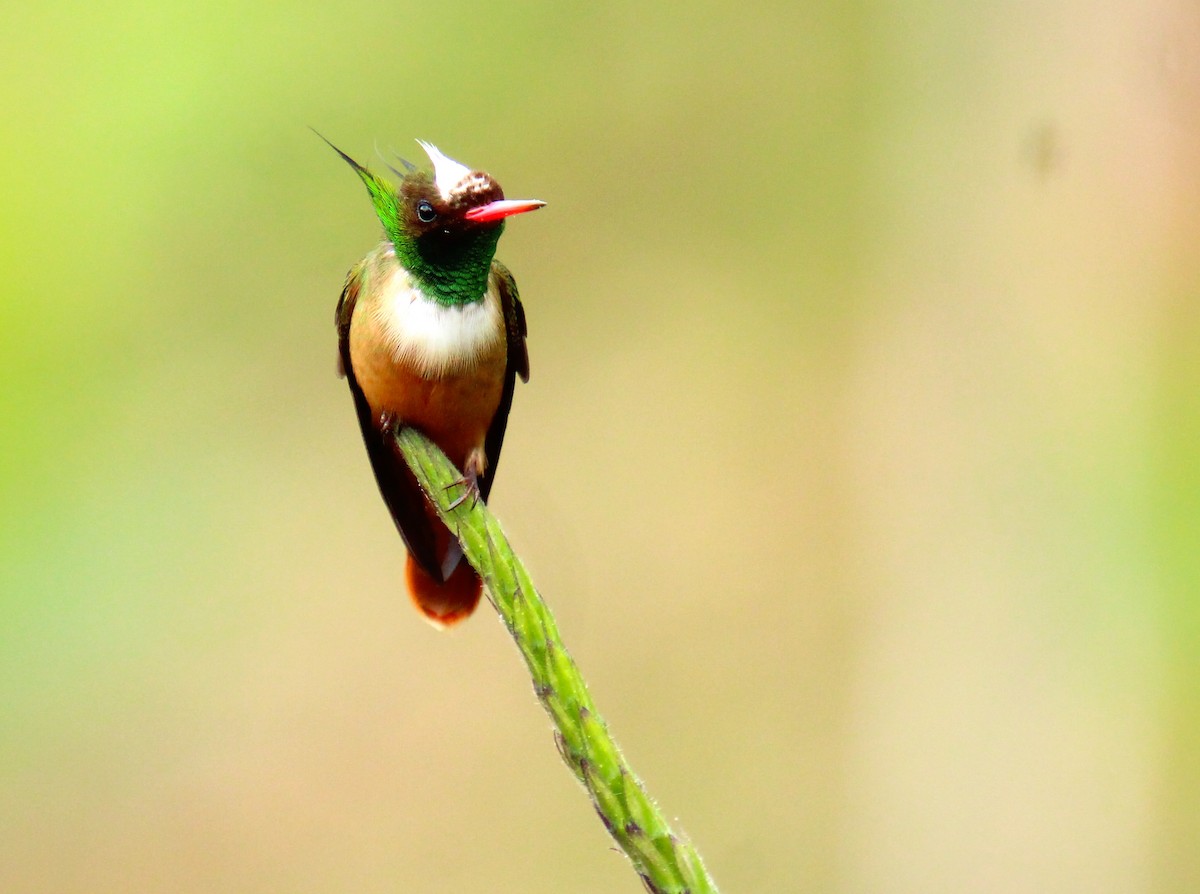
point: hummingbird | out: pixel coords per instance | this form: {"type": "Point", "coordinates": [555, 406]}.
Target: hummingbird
{"type": "Point", "coordinates": [431, 334]}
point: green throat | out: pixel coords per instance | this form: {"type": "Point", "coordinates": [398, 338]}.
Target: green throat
{"type": "Point", "coordinates": [450, 271]}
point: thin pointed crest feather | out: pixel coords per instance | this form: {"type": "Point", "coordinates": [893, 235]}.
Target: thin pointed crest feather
{"type": "Point", "coordinates": [359, 169]}
{"type": "Point", "coordinates": [383, 194]}
{"type": "Point", "coordinates": [447, 173]}
{"type": "Point", "coordinates": [409, 167]}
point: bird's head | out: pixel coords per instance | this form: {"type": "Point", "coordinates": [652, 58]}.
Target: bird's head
{"type": "Point", "coordinates": [444, 227]}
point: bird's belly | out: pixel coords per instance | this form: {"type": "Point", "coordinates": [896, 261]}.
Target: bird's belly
{"type": "Point", "coordinates": [454, 409]}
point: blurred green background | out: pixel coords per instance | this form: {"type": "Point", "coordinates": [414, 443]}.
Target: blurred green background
{"type": "Point", "coordinates": [859, 460]}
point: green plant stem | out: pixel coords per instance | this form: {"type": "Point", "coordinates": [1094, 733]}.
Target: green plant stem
{"type": "Point", "coordinates": [666, 862]}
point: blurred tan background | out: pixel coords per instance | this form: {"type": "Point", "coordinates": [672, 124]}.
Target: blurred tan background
{"type": "Point", "coordinates": [859, 460]}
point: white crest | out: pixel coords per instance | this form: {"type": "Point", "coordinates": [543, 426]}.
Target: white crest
{"type": "Point", "coordinates": [448, 174]}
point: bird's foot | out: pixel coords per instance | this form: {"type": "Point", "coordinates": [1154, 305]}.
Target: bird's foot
{"type": "Point", "coordinates": [389, 424]}
{"type": "Point", "coordinates": [474, 467]}
{"type": "Point", "coordinates": [470, 485]}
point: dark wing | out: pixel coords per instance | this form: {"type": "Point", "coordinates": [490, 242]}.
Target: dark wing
{"type": "Point", "coordinates": [400, 490]}
{"type": "Point", "coordinates": [518, 365]}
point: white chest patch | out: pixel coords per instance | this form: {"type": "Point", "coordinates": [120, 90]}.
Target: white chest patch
{"type": "Point", "coordinates": [432, 337]}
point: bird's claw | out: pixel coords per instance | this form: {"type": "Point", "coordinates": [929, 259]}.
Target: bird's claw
{"type": "Point", "coordinates": [389, 423]}
{"type": "Point", "coordinates": [470, 485]}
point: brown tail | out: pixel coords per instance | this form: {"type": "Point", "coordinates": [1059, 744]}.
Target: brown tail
{"type": "Point", "coordinates": [444, 605]}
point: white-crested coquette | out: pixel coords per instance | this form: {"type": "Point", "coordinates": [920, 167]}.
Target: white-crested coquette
{"type": "Point", "coordinates": [431, 334]}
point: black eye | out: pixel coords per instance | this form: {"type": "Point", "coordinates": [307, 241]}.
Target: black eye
{"type": "Point", "coordinates": [425, 211]}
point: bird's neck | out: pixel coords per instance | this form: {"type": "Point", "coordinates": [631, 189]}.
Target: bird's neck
{"type": "Point", "coordinates": [451, 275]}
